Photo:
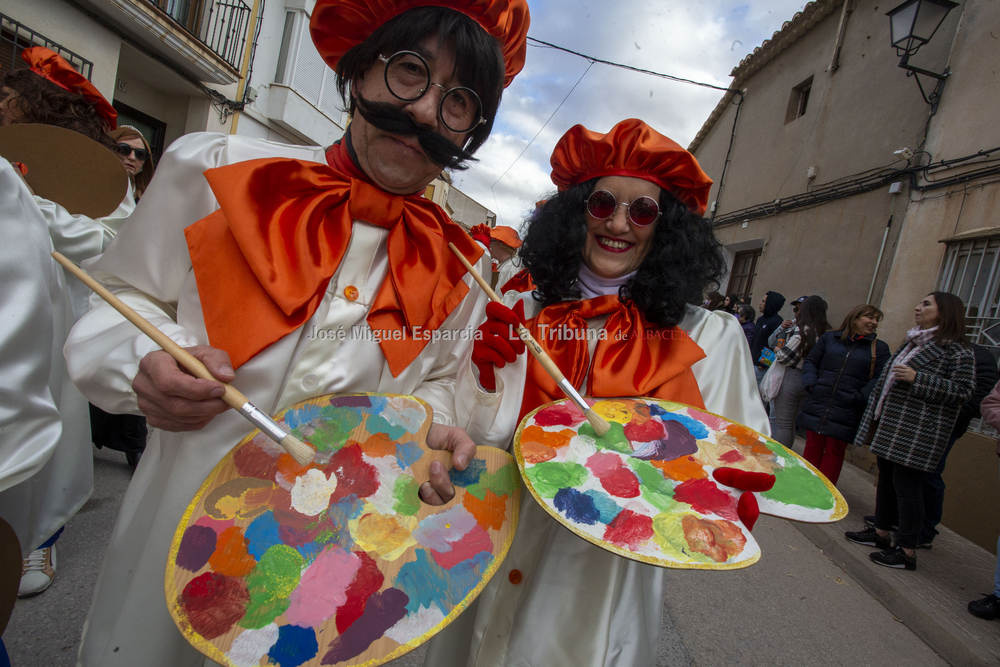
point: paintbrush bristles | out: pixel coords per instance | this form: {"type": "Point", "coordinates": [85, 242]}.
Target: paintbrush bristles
{"type": "Point", "coordinates": [300, 451]}
{"type": "Point", "coordinates": [600, 426]}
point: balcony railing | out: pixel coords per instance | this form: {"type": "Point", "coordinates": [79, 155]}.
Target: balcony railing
{"type": "Point", "coordinates": [16, 37]}
{"type": "Point", "coordinates": [221, 25]}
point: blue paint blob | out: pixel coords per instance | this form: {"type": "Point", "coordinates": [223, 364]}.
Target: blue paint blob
{"type": "Point", "coordinates": [262, 534]}
{"type": "Point", "coordinates": [407, 454]}
{"type": "Point", "coordinates": [696, 428]}
{"type": "Point", "coordinates": [470, 475]}
{"type": "Point", "coordinates": [378, 424]}
{"type": "Point", "coordinates": [296, 645]}
{"type": "Point", "coordinates": [424, 583]}
{"type": "Point", "coordinates": [605, 504]}
{"type": "Point", "coordinates": [304, 415]}
{"type": "Point", "coordinates": [466, 576]}
{"type": "Point", "coordinates": [576, 506]}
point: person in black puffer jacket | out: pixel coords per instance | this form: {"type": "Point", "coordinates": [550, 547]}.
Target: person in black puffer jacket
{"type": "Point", "coordinates": [838, 376]}
{"type": "Point", "coordinates": [766, 324]}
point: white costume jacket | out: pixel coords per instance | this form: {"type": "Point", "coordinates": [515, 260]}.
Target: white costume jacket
{"type": "Point", "coordinates": [575, 603]}
{"type": "Point", "coordinates": [149, 267]}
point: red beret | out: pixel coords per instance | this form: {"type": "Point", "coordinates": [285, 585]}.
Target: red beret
{"type": "Point", "coordinates": [51, 66]}
{"type": "Point", "coordinates": [631, 148]}
{"type": "Point", "coordinates": [339, 25]}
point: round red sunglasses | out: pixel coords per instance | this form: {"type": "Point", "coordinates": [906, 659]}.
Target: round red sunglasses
{"type": "Point", "coordinates": [642, 211]}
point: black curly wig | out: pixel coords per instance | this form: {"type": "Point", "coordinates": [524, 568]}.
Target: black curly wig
{"type": "Point", "coordinates": [41, 101]}
{"type": "Point", "coordinates": [684, 258]}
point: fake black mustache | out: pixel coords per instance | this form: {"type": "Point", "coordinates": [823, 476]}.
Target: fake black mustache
{"type": "Point", "coordinates": [390, 118]}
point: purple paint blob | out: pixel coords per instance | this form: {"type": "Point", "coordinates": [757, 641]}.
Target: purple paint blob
{"type": "Point", "coordinates": [677, 442]}
{"type": "Point", "coordinates": [351, 402]}
{"type": "Point", "coordinates": [197, 544]}
{"type": "Point", "coordinates": [382, 611]}
{"type": "Point", "coordinates": [295, 646]}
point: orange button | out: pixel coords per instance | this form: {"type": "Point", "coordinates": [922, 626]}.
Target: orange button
{"type": "Point", "coordinates": [515, 577]}
{"type": "Point", "coordinates": [352, 293]}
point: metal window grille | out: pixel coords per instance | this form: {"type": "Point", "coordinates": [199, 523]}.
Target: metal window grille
{"type": "Point", "coordinates": [15, 37]}
{"type": "Point", "coordinates": [221, 25]}
{"type": "Point", "coordinates": [971, 271]}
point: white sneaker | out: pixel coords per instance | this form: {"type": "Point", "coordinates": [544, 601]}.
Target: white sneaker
{"type": "Point", "coordinates": [37, 571]}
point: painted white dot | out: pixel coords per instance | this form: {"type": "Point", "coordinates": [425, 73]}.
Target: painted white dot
{"type": "Point", "coordinates": [311, 492]}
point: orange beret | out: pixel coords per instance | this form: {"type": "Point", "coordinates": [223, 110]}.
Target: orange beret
{"type": "Point", "coordinates": [339, 25]}
{"type": "Point", "coordinates": [506, 235]}
{"type": "Point", "coordinates": [51, 66]}
{"type": "Point", "coordinates": [631, 148]}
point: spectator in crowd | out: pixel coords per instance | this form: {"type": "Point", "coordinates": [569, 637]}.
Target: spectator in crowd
{"type": "Point", "coordinates": [908, 420]}
{"type": "Point", "coordinates": [746, 315]}
{"type": "Point", "coordinates": [986, 377]}
{"type": "Point", "coordinates": [730, 304]}
{"type": "Point", "coordinates": [838, 376]}
{"type": "Point", "coordinates": [745, 300]}
{"type": "Point", "coordinates": [988, 608]}
{"type": "Point", "coordinates": [800, 338]}
{"type": "Point", "coordinates": [714, 301]}
{"type": "Point", "coordinates": [769, 320]}
{"type": "Point", "coordinates": [134, 152]}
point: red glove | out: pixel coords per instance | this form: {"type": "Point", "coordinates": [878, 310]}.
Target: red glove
{"type": "Point", "coordinates": [746, 508]}
{"type": "Point", "coordinates": [498, 343]}
{"type": "Point", "coordinates": [481, 233]}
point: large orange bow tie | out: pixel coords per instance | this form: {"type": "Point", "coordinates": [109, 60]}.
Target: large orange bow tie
{"type": "Point", "coordinates": [263, 260]}
{"type": "Point", "coordinates": [635, 359]}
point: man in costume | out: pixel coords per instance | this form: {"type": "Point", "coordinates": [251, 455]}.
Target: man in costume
{"type": "Point", "coordinates": [287, 270]}
{"type": "Point", "coordinates": [622, 250]}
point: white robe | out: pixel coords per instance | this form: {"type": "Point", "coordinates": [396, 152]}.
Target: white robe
{"type": "Point", "coordinates": [148, 265]}
{"type": "Point", "coordinates": [577, 604]}
{"type": "Point", "coordinates": [508, 269]}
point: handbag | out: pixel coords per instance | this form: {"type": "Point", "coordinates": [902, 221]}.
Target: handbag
{"type": "Point", "coordinates": [770, 384]}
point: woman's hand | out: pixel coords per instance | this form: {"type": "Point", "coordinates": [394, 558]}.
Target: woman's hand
{"type": "Point", "coordinates": [904, 373]}
{"type": "Point", "coordinates": [499, 344]}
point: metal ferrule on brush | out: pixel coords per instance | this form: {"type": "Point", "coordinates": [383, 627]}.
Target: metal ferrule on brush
{"type": "Point", "coordinates": [574, 395]}
{"type": "Point", "coordinates": [261, 420]}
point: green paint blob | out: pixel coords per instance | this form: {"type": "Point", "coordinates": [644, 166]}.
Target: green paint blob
{"type": "Point", "coordinates": [406, 495]}
{"type": "Point", "coordinates": [550, 476]}
{"type": "Point", "coordinates": [272, 581]}
{"type": "Point", "coordinates": [656, 489]}
{"type": "Point", "coordinates": [797, 485]}
{"type": "Point", "coordinates": [335, 429]}
{"type": "Point", "coordinates": [613, 440]}
{"type": "Point", "coordinates": [502, 482]}
{"type": "Point", "coordinates": [378, 424]}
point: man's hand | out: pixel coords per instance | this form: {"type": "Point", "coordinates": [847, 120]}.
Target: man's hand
{"type": "Point", "coordinates": [904, 373]}
{"type": "Point", "coordinates": [787, 324]}
{"type": "Point", "coordinates": [174, 400]}
{"type": "Point", "coordinates": [439, 490]}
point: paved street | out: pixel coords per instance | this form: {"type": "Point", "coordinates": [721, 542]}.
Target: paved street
{"type": "Point", "coordinates": [794, 607]}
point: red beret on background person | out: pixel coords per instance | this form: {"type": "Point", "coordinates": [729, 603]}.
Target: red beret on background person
{"type": "Point", "coordinates": [619, 256]}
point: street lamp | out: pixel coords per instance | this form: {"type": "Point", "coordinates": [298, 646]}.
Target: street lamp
{"type": "Point", "coordinates": [912, 24]}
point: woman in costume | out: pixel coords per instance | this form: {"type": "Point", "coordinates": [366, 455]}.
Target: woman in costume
{"type": "Point", "coordinates": [909, 417]}
{"type": "Point", "coordinates": [838, 376]}
{"type": "Point", "coordinates": [623, 249]}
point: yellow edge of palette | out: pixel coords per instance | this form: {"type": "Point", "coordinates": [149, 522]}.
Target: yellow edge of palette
{"type": "Point", "coordinates": [209, 649]}
{"type": "Point", "coordinates": [838, 513]}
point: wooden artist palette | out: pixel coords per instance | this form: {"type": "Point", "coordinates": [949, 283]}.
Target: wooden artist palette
{"type": "Point", "coordinates": [338, 562]}
{"type": "Point", "coordinates": [645, 490]}
{"type": "Point", "coordinates": [66, 167]}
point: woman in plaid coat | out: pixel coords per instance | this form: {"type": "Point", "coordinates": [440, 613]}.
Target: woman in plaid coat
{"type": "Point", "coordinates": [909, 418]}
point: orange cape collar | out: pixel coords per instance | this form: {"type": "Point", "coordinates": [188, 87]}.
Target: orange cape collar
{"type": "Point", "coordinates": [635, 359]}
{"type": "Point", "coordinates": [262, 262]}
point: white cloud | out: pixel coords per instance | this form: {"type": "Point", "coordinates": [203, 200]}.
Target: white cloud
{"type": "Point", "coordinates": [702, 41]}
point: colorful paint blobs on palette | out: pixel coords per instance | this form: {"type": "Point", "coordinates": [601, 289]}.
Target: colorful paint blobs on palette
{"type": "Point", "coordinates": [645, 488]}
{"type": "Point", "coordinates": [339, 562]}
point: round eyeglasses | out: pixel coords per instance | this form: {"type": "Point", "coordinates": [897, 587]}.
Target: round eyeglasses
{"type": "Point", "coordinates": [642, 211]}
{"type": "Point", "coordinates": [408, 78]}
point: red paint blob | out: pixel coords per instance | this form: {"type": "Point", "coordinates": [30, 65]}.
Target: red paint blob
{"type": "Point", "coordinates": [354, 476]}
{"type": "Point", "coordinates": [645, 432]}
{"type": "Point", "coordinates": [252, 461]}
{"type": "Point", "coordinates": [474, 542]}
{"type": "Point", "coordinates": [616, 478]}
{"type": "Point", "coordinates": [629, 530]}
{"type": "Point", "coordinates": [706, 498]}
{"type": "Point", "coordinates": [367, 581]}
{"type": "Point", "coordinates": [564, 414]}
{"type": "Point", "coordinates": [732, 456]}
{"type": "Point", "coordinates": [214, 603]}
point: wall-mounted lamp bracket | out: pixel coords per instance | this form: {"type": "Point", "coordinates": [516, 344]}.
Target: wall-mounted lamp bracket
{"type": "Point", "coordinates": [935, 97]}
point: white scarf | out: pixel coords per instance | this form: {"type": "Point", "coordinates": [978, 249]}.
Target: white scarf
{"type": "Point", "coordinates": [915, 339]}
{"type": "Point", "coordinates": [592, 285]}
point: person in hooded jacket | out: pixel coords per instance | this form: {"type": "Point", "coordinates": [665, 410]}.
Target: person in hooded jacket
{"type": "Point", "coordinates": [838, 376]}
{"type": "Point", "coordinates": [769, 320]}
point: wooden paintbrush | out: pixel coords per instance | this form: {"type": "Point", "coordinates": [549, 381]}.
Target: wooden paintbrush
{"type": "Point", "coordinates": [299, 450]}
{"type": "Point", "coordinates": [600, 426]}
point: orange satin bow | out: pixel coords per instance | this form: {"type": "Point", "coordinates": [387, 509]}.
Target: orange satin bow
{"type": "Point", "coordinates": [636, 358]}
{"type": "Point", "coordinates": [263, 260]}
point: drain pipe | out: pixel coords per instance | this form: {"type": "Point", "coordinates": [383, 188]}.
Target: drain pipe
{"type": "Point", "coordinates": [878, 262]}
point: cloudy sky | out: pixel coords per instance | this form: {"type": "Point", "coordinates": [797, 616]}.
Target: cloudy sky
{"type": "Point", "coordinates": [698, 39]}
